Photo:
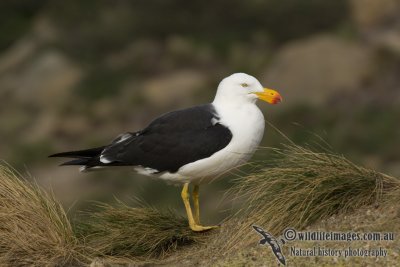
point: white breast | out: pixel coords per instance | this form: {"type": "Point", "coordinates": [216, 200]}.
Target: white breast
{"type": "Point", "coordinates": [246, 122]}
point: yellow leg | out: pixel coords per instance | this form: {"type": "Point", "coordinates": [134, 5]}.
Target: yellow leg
{"type": "Point", "coordinates": [185, 198]}
{"type": "Point", "coordinates": [196, 204]}
{"type": "Point", "coordinates": [193, 222]}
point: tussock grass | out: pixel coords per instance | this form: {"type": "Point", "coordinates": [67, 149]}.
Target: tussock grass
{"type": "Point", "coordinates": [140, 233]}
{"type": "Point", "coordinates": [34, 229]}
{"type": "Point", "coordinates": [302, 187]}
{"type": "Point", "coordinates": [296, 188]}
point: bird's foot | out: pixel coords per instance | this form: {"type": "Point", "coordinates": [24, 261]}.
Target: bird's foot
{"type": "Point", "coordinates": [200, 228]}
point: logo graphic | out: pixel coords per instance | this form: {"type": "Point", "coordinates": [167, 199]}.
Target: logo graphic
{"type": "Point", "coordinates": [272, 242]}
{"type": "Point", "coordinates": [290, 234]}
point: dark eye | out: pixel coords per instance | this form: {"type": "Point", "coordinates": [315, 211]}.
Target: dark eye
{"type": "Point", "coordinates": [244, 85]}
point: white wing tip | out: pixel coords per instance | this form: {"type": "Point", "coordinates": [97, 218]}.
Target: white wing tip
{"type": "Point", "coordinates": [104, 160]}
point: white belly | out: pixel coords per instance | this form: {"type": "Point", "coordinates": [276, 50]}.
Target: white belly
{"type": "Point", "coordinates": [247, 124]}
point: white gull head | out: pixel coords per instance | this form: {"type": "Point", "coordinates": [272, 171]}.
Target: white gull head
{"type": "Point", "coordinates": [241, 88]}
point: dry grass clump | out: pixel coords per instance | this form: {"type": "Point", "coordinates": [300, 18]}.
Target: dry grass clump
{"type": "Point", "coordinates": [34, 229]}
{"type": "Point", "coordinates": [302, 187]}
{"type": "Point", "coordinates": [139, 233]}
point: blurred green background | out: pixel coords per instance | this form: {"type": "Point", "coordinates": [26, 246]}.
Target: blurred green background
{"type": "Point", "coordinates": [75, 74]}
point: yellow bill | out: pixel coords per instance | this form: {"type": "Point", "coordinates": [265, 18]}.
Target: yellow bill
{"type": "Point", "coordinates": [270, 96]}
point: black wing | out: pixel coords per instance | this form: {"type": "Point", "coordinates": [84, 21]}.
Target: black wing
{"type": "Point", "coordinates": [171, 141]}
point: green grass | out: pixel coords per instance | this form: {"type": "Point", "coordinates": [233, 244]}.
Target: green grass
{"type": "Point", "coordinates": [141, 233]}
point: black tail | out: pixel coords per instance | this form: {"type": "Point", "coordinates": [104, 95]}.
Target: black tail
{"type": "Point", "coordinates": [88, 157]}
{"type": "Point", "coordinates": [80, 154]}
{"type": "Point", "coordinates": [78, 162]}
